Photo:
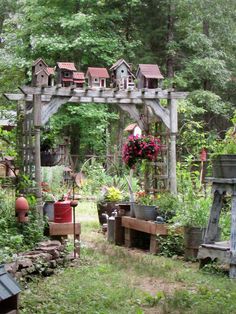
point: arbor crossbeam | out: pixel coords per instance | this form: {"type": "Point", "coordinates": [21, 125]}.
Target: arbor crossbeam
{"type": "Point", "coordinates": [45, 101]}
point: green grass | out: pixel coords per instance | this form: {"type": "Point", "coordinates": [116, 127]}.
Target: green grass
{"type": "Point", "coordinates": [92, 286]}
{"type": "Point", "coordinates": [111, 279]}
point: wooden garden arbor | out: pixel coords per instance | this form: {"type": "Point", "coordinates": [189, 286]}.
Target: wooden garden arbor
{"type": "Point", "coordinates": [40, 103]}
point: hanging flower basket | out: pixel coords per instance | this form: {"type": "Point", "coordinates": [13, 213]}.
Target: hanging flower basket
{"type": "Point", "coordinates": [140, 147]}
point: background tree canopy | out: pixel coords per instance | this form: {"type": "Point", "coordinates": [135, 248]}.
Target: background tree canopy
{"type": "Point", "coordinates": [193, 42]}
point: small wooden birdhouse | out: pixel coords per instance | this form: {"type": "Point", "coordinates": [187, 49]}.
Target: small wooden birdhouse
{"type": "Point", "coordinates": [149, 76]}
{"type": "Point", "coordinates": [78, 79]}
{"type": "Point", "coordinates": [121, 75]}
{"type": "Point", "coordinates": [9, 293]}
{"type": "Point", "coordinates": [65, 71]}
{"type": "Point", "coordinates": [133, 129]}
{"type": "Point", "coordinates": [97, 77]}
{"type": "Point", "coordinates": [67, 174]}
{"type": "Point", "coordinates": [42, 75]}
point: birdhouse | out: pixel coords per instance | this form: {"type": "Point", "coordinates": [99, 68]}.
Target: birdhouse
{"type": "Point", "coordinates": [9, 293]}
{"type": "Point", "coordinates": [78, 79]}
{"type": "Point", "coordinates": [65, 71]}
{"type": "Point", "coordinates": [42, 75]}
{"type": "Point", "coordinates": [97, 77]}
{"type": "Point", "coordinates": [67, 174]}
{"type": "Point", "coordinates": [121, 75]}
{"type": "Point", "coordinates": [22, 209]}
{"type": "Point", "coordinates": [149, 76]}
{"type": "Point", "coordinates": [133, 129]}
{"type": "Point", "coordinates": [203, 154]}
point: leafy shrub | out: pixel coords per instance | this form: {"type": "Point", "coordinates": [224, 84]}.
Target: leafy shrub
{"type": "Point", "coordinates": [113, 194]}
{"type": "Point", "coordinates": [172, 244]}
{"type": "Point", "coordinates": [194, 206]}
{"type": "Point", "coordinates": [16, 237]}
{"type": "Point", "coordinates": [167, 205]}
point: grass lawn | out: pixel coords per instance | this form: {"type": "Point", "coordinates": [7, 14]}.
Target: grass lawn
{"type": "Point", "coordinates": [110, 279]}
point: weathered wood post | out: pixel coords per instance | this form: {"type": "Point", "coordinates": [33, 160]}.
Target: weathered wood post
{"type": "Point", "coordinates": [19, 134]}
{"type": "Point", "coordinates": [232, 271]}
{"type": "Point", "coordinates": [37, 108]}
{"type": "Point", "coordinates": [173, 131]}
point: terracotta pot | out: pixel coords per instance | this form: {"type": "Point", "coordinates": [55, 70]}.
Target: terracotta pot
{"type": "Point", "coordinates": [22, 208]}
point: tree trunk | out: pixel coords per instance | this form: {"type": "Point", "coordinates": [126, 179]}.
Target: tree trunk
{"type": "Point", "coordinates": [170, 38]}
{"type": "Point", "coordinates": [205, 28]}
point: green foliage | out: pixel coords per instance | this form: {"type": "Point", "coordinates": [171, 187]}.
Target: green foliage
{"type": "Point", "coordinates": [167, 205]}
{"type": "Point", "coordinates": [194, 205]}
{"type": "Point", "coordinates": [143, 198]}
{"type": "Point", "coordinates": [16, 237]}
{"type": "Point", "coordinates": [54, 177]}
{"type": "Point", "coordinates": [96, 177]}
{"type": "Point", "coordinates": [8, 142]}
{"type": "Point", "coordinates": [228, 144]}
{"type": "Point", "coordinates": [112, 194]}
{"type": "Point", "coordinates": [171, 245]}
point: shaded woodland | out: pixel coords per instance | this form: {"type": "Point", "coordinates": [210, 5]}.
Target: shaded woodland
{"type": "Point", "coordinates": [193, 42]}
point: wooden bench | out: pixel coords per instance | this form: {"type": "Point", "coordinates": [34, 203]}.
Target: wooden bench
{"type": "Point", "coordinates": [133, 225]}
{"type": "Point", "coordinates": [65, 229]}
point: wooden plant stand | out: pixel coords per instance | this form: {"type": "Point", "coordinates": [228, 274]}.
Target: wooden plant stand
{"type": "Point", "coordinates": [224, 252]}
{"type": "Point", "coordinates": [65, 229]}
{"type": "Point", "coordinates": [134, 225]}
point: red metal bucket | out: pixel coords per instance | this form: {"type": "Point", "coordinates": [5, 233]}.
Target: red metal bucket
{"type": "Point", "coordinates": [62, 212]}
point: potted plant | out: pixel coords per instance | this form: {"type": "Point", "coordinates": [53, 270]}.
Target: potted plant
{"type": "Point", "coordinates": [167, 206]}
{"type": "Point", "coordinates": [145, 206]}
{"type": "Point", "coordinates": [224, 157]}
{"type": "Point", "coordinates": [107, 203]}
{"type": "Point", "coordinates": [140, 147]}
{"type": "Point", "coordinates": [48, 201]}
{"type": "Point", "coordinates": [193, 215]}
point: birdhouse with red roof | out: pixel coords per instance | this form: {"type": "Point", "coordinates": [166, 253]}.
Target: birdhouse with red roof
{"type": "Point", "coordinates": [78, 79]}
{"type": "Point", "coordinates": [97, 77]}
{"type": "Point", "coordinates": [133, 129]}
{"type": "Point", "coordinates": [121, 75]}
{"type": "Point", "coordinates": [149, 76]}
{"type": "Point", "coordinates": [65, 73]}
{"type": "Point", "coordinates": [42, 75]}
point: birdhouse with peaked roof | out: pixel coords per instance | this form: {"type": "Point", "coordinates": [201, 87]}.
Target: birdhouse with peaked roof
{"type": "Point", "coordinates": [121, 75]}
{"type": "Point", "coordinates": [65, 72]}
{"type": "Point", "coordinates": [149, 76]}
{"type": "Point", "coordinates": [9, 293]}
{"type": "Point", "coordinates": [97, 77]}
{"type": "Point", "coordinates": [42, 75]}
{"type": "Point", "coordinates": [133, 129]}
{"type": "Point", "coordinates": [78, 79]}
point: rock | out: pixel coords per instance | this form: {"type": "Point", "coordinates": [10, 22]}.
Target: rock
{"type": "Point", "coordinates": [31, 269]}
{"type": "Point", "coordinates": [50, 243]}
{"type": "Point", "coordinates": [35, 255]}
{"type": "Point", "coordinates": [48, 272]}
{"type": "Point", "coordinates": [18, 275]}
{"type": "Point", "coordinates": [50, 250]}
{"type": "Point", "coordinates": [53, 264]}
{"type": "Point", "coordinates": [24, 262]}
{"type": "Point", "coordinates": [24, 272]}
{"type": "Point", "coordinates": [11, 268]}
